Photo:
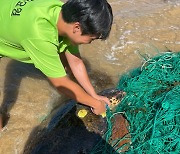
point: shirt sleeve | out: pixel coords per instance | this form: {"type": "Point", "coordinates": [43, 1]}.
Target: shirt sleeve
{"type": "Point", "coordinates": [44, 56]}
{"type": "Point", "coordinates": [65, 46]}
{"type": "Point", "coordinates": [72, 49]}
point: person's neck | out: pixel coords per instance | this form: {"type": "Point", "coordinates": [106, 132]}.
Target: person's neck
{"type": "Point", "coordinates": [61, 26]}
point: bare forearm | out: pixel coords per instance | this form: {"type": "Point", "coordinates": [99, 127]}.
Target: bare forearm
{"type": "Point", "coordinates": [74, 91]}
{"type": "Point", "coordinates": [82, 77]}
{"type": "Point", "coordinates": [79, 70]}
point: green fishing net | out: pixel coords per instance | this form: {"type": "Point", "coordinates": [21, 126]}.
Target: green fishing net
{"type": "Point", "coordinates": [151, 107]}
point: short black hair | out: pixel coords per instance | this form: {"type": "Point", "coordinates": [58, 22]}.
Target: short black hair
{"type": "Point", "coordinates": [95, 16]}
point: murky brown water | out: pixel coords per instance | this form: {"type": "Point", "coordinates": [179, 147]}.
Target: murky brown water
{"type": "Point", "coordinates": [140, 27]}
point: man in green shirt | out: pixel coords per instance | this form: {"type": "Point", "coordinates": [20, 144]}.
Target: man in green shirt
{"type": "Point", "coordinates": [41, 31]}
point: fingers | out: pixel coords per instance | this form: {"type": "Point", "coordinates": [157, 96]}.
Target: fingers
{"type": "Point", "coordinates": [104, 99]}
{"type": "Point", "coordinates": [107, 101]}
{"type": "Point", "coordinates": [101, 108]}
{"type": "Point", "coordinates": [92, 110]}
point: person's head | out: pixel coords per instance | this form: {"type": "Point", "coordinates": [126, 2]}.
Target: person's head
{"type": "Point", "coordinates": [90, 19]}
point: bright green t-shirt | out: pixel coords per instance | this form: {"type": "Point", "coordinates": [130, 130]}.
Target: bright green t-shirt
{"type": "Point", "coordinates": [28, 33]}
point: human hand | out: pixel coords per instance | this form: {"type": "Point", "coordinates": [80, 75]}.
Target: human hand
{"type": "Point", "coordinates": [102, 98]}
{"type": "Point", "coordinates": [100, 108]}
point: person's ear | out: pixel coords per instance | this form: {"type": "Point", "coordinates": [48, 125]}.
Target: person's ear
{"type": "Point", "coordinates": [76, 28]}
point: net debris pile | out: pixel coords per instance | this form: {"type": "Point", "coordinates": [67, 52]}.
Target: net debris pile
{"type": "Point", "coordinates": [151, 107]}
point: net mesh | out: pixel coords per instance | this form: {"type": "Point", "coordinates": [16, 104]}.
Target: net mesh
{"type": "Point", "coordinates": [151, 107]}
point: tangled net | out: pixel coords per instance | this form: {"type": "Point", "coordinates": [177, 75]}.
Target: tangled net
{"type": "Point", "coordinates": [151, 107]}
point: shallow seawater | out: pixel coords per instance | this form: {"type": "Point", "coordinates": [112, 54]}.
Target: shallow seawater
{"type": "Point", "coordinates": [140, 30]}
